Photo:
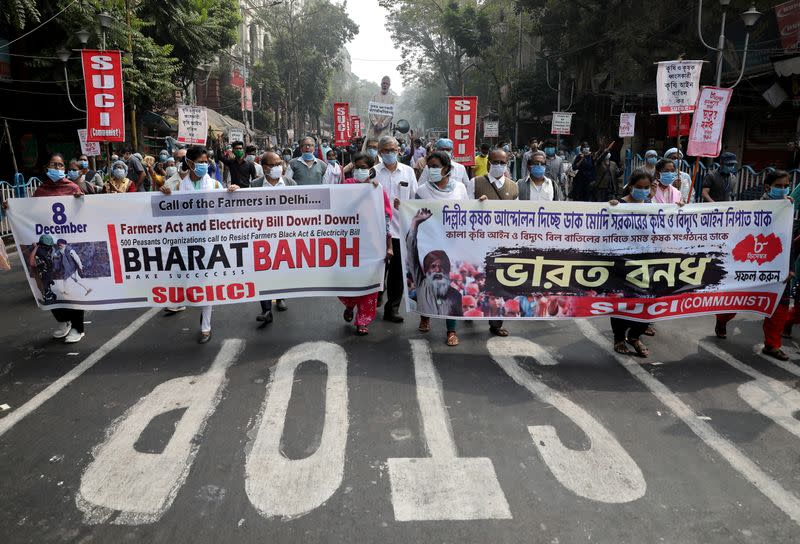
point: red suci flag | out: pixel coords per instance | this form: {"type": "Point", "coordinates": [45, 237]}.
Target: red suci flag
{"type": "Point", "coordinates": [462, 115]}
{"type": "Point", "coordinates": [105, 107]}
{"type": "Point", "coordinates": [341, 124]}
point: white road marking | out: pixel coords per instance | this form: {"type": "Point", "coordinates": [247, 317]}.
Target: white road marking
{"type": "Point", "coordinates": [780, 497]}
{"type": "Point", "coordinates": [791, 368]}
{"type": "Point", "coordinates": [289, 488]}
{"type": "Point", "coordinates": [604, 472]}
{"type": "Point", "coordinates": [140, 487]}
{"type": "Point", "coordinates": [442, 486]}
{"type": "Point", "coordinates": [53, 389]}
{"type": "Point", "coordinates": [766, 395]}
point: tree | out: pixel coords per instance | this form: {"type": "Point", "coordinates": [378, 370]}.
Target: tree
{"type": "Point", "coordinates": [18, 14]}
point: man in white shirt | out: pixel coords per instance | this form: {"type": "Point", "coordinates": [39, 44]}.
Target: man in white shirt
{"type": "Point", "coordinates": [685, 179]}
{"type": "Point", "coordinates": [458, 171]}
{"type": "Point", "coordinates": [399, 183]}
{"type": "Point", "coordinates": [537, 186]}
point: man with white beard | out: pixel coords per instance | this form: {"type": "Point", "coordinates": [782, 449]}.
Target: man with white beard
{"type": "Point", "coordinates": [435, 296]}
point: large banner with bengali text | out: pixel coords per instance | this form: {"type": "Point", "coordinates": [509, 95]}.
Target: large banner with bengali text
{"type": "Point", "coordinates": [198, 248]}
{"type": "Point", "coordinates": [557, 260]}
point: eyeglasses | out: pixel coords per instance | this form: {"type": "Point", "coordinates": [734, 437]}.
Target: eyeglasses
{"type": "Point", "coordinates": [498, 162]}
{"type": "Point", "coordinates": [538, 163]}
{"type": "Point", "coordinates": [56, 165]}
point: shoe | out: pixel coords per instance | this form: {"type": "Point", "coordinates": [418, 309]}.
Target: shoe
{"type": "Point", "coordinates": [266, 317]}
{"type": "Point", "coordinates": [650, 331]}
{"type": "Point", "coordinates": [393, 318]}
{"type": "Point", "coordinates": [721, 330]}
{"type": "Point", "coordinates": [205, 337]}
{"type": "Point", "coordinates": [498, 331]}
{"type": "Point", "coordinates": [73, 337]}
{"type": "Point", "coordinates": [62, 330]}
{"type": "Point", "coordinates": [348, 314]}
{"type": "Point", "coordinates": [424, 324]}
{"type": "Point", "coordinates": [776, 353]}
{"type": "Point", "coordinates": [174, 309]}
{"type": "Point", "coordinates": [282, 307]}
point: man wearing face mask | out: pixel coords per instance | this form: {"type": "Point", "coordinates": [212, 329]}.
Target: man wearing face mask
{"type": "Point", "coordinates": [718, 186]}
{"type": "Point", "coordinates": [399, 183]}
{"type": "Point", "coordinates": [684, 181]}
{"type": "Point", "coordinates": [306, 169]}
{"type": "Point", "coordinates": [584, 166]}
{"type": "Point", "coordinates": [89, 176]}
{"type": "Point", "coordinates": [495, 186]}
{"type": "Point", "coordinates": [554, 165]}
{"type": "Point", "coordinates": [251, 156]}
{"type": "Point", "coordinates": [537, 186]}
{"type": "Point", "coordinates": [458, 172]}
{"type": "Point", "coordinates": [481, 167]}
{"type": "Point", "coordinates": [242, 171]}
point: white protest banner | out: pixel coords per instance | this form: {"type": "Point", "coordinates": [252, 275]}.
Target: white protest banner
{"type": "Point", "coordinates": [235, 135]}
{"type": "Point", "coordinates": [566, 260]}
{"type": "Point", "coordinates": [380, 108]}
{"type": "Point", "coordinates": [708, 121]}
{"type": "Point", "coordinates": [677, 85]}
{"type": "Point", "coordinates": [562, 123]}
{"type": "Point", "coordinates": [627, 125]}
{"type": "Point", "coordinates": [491, 129]}
{"type": "Point", "coordinates": [196, 248]}
{"type": "Point", "coordinates": [192, 125]}
{"type": "Point", "coordinates": [90, 149]}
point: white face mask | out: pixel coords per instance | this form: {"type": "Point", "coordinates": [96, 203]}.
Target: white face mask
{"type": "Point", "coordinates": [360, 174]}
{"type": "Point", "coordinates": [497, 170]}
{"type": "Point", "coordinates": [435, 174]}
{"type": "Point", "coordinates": [275, 172]}
{"type": "Point", "coordinates": [171, 170]}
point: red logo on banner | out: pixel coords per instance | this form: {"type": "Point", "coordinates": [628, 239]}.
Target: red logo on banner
{"type": "Point", "coordinates": [105, 108]}
{"type": "Point", "coordinates": [759, 249]}
{"type": "Point", "coordinates": [462, 115]}
{"type": "Point", "coordinates": [678, 125]}
{"type": "Point", "coordinates": [341, 123]}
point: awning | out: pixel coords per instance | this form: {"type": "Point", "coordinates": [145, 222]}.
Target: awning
{"type": "Point", "coordinates": [153, 120]}
{"type": "Point", "coordinates": [221, 124]}
{"type": "Point", "coordinates": [787, 67]}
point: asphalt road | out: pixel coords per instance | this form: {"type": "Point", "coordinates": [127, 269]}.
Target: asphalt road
{"type": "Point", "coordinates": [303, 432]}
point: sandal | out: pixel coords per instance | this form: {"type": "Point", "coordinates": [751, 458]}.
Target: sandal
{"type": "Point", "coordinates": [452, 338]}
{"type": "Point", "coordinates": [362, 331]}
{"type": "Point", "coordinates": [500, 331]}
{"type": "Point", "coordinates": [621, 348]}
{"type": "Point", "coordinates": [721, 330]}
{"type": "Point", "coordinates": [641, 349]}
{"type": "Point", "coordinates": [424, 324]}
{"type": "Point", "coordinates": [348, 314]}
{"type": "Point", "coordinates": [775, 353]}
{"type": "Point", "coordinates": [650, 331]}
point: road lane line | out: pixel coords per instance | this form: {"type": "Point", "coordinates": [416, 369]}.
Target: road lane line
{"type": "Point", "coordinates": [768, 396]}
{"type": "Point", "coordinates": [791, 368]}
{"type": "Point", "coordinates": [53, 389]}
{"type": "Point", "coordinates": [442, 486]}
{"type": "Point", "coordinates": [130, 487]}
{"type": "Point", "coordinates": [769, 487]}
{"type": "Point", "coordinates": [604, 471]}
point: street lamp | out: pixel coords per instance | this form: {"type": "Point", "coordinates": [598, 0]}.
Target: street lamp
{"type": "Point", "coordinates": [83, 36]}
{"type": "Point", "coordinates": [105, 21]}
{"type": "Point", "coordinates": [64, 54]}
{"type": "Point", "coordinates": [749, 18]}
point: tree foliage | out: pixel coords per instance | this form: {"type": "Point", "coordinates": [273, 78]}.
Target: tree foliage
{"type": "Point", "coordinates": [18, 14]}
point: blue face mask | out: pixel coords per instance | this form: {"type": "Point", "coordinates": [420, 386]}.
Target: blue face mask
{"type": "Point", "coordinates": [668, 178]}
{"type": "Point", "coordinates": [537, 171]}
{"type": "Point", "coordinates": [505, 148]}
{"type": "Point", "coordinates": [332, 162]}
{"type": "Point", "coordinates": [373, 153]}
{"type": "Point", "coordinates": [652, 160]}
{"type": "Point", "coordinates": [389, 158]}
{"type": "Point", "coordinates": [119, 173]}
{"type": "Point", "coordinates": [640, 195]}
{"type": "Point", "coordinates": [55, 174]}
{"type": "Point", "coordinates": [73, 175]}
{"type": "Point", "coordinates": [550, 151]}
{"type": "Point", "coordinates": [84, 164]}
{"type": "Point", "coordinates": [308, 156]}
{"type": "Point", "coordinates": [776, 193]}
{"type": "Point", "coordinates": [200, 169]}
{"type": "Point", "coordinates": [287, 158]}
{"type": "Point", "coordinates": [730, 169]}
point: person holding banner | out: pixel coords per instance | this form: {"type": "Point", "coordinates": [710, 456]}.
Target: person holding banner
{"type": "Point", "coordinates": [118, 182]}
{"type": "Point", "coordinates": [458, 171]}
{"type": "Point", "coordinates": [380, 125]}
{"type": "Point", "coordinates": [399, 183]}
{"type": "Point", "coordinates": [777, 186]}
{"type": "Point", "coordinates": [88, 187]}
{"type": "Point", "coordinates": [364, 307]}
{"type": "Point", "coordinates": [196, 178]}
{"type": "Point", "coordinates": [435, 296]}
{"type": "Point", "coordinates": [70, 321]}
{"type": "Point", "coordinates": [664, 191]}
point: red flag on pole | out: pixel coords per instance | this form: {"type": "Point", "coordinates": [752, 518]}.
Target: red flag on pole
{"type": "Point", "coordinates": [462, 116]}
{"type": "Point", "coordinates": [341, 124]}
{"type": "Point", "coordinates": [105, 107]}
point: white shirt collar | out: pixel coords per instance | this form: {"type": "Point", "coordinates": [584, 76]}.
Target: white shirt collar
{"type": "Point", "coordinates": [499, 182]}
{"type": "Point", "coordinates": [280, 183]}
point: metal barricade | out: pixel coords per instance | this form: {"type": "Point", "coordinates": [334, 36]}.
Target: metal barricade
{"type": "Point", "coordinates": [19, 189]}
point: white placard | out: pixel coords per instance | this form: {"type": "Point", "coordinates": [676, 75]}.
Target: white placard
{"type": "Point", "coordinates": [678, 85]}
{"type": "Point", "coordinates": [491, 129]}
{"type": "Point", "coordinates": [562, 122]}
{"type": "Point", "coordinates": [90, 149]}
{"type": "Point", "coordinates": [381, 108]}
{"type": "Point", "coordinates": [192, 125]}
{"type": "Point", "coordinates": [627, 125]}
{"type": "Point", "coordinates": [235, 135]}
